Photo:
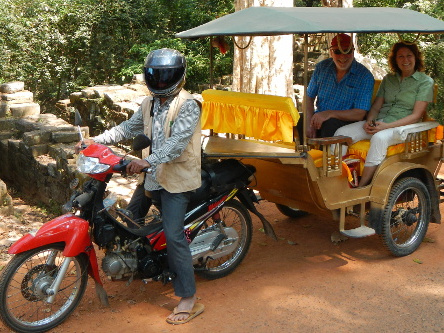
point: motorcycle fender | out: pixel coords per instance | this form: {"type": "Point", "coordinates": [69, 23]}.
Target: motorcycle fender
{"type": "Point", "coordinates": [68, 229]}
{"type": "Point", "coordinates": [245, 197]}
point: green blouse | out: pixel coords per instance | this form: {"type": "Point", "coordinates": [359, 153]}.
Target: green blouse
{"type": "Point", "coordinates": [400, 96]}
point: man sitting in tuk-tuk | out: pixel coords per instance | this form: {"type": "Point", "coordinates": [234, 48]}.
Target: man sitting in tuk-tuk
{"type": "Point", "coordinates": [342, 88]}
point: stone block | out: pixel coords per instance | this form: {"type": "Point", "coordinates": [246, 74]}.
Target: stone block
{"type": "Point", "coordinates": [52, 170]}
{"type": "Point", "coordinates": [75, 97]}
{"type": "Point", "coordinates": [65, 136]}
{"type": "Point", "coordinates": [13, 145]}
{"type": "Point", "coordinates": [5, 109]}
{"type": "Point", "coordinates": [61, 150]}
{"type": "Point", "coordinates": [101, 90]}
{"type": "Point", "coordinates": [25, 109]}
{"type": "Point", "coordinates": [19, 97]}
{"type": "Point", "coordinates": [26, 125]}
{"type": "Point", "coordinates": [36, 137]}
{"type": "Point", "coordinates": [127, 107]}
{"type": "Point", "coordinates": [138, 79]}
{"type": "Point", "coordinates": [122, 95]}
{"type": "Point", "coordinates": [141, 88]}
{"type": "Point", "coordinates": [12, 87]}
{"type": "Point", "coordinates": [4, 135]}
{"type": "Point", "coordinates": [38, 150]}
{"type": "Point", "coordinates": [7, 124]}
{"type": "Point", "coordinates": [63, 105]}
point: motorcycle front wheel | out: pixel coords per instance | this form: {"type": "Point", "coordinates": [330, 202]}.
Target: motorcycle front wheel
{"type": "Point", "coordinates": [232, 215]}
{"type": "Point", "coordinates": [24, 282]}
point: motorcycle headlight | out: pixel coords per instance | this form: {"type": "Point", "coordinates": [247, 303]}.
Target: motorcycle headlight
{"type": "Point", "coordinates": [90, 165]}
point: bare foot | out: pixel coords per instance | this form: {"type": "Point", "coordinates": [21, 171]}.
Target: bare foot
{"type": "Point", "coordinates": [185, 306]}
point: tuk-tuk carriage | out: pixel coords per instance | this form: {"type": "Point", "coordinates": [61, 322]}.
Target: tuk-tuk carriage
{"type": "Point", "coordinates": [309, 174]}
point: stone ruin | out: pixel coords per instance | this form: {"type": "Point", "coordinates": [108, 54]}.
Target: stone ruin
{"type": "Point", "coordinates": [37, 150]}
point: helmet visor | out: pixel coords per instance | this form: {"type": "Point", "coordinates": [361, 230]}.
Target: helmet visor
{"type": "Point", "coordinates": [163, 78]}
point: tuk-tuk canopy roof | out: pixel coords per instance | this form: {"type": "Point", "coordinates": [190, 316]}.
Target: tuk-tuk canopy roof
{"type": "Point", "coordinates": [268, 21]}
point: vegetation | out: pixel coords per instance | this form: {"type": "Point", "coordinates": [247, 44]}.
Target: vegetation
{"type": "Point", "coordinates": [60, 46]}
{"type": "Point", "coordinates": [377, 46]}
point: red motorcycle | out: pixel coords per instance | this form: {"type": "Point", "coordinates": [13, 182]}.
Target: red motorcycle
{"type": "Point", "coordinates": [45, 280]}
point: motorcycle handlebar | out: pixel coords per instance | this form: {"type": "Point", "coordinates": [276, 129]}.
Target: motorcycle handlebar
{"type": "Point", "coordinates": [121, 167]}
{"type": "Point", "coordinates": [83, 199]}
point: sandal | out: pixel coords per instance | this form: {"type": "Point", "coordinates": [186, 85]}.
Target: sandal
{"type": "Point", "coordinates": [198, 308]}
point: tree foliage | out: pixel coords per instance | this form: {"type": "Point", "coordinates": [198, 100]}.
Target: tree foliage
{"type": "Point", "coordinates": [378, 46]}
{"type": "Point", "coordinates": [60, 46]}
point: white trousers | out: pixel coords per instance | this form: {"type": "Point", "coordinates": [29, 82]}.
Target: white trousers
{"type": "Point", "coordinates": [379, 142]}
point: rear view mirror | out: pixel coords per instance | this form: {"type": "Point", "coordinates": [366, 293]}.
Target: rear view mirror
{"type": "Point", "coordinates": [140, 142]}
{"type": "Point", "coordinates": [77, 119]}
{"type": "Point", "coordinates": [78, 123]}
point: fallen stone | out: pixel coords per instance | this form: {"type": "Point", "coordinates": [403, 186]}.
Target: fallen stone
{"type": "Point", "coordinates": [19, 97]}
{"type": "Point", "coordinates": [36, 137]}
{"type": "Point", "coordinates": [65, 136]}
{"type": "Point", "coordinates": [24, 109]}
{"type": "Point", "coordinates": [12, 87]}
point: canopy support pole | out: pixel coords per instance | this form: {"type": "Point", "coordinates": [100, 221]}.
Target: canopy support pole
{"type": "Point", "coordinates": [304, 105]}
{"type": "Point", "coordinates": [211, 63]}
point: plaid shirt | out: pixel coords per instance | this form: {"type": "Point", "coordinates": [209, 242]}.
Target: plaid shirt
{"type": "Point", "coordinates": [163, 149]}
{"type": "Point", "coordinates": [355, 90]}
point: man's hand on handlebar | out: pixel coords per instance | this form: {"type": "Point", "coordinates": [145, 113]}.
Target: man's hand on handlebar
{"type": "Point", "coordinates": [136, 166]}
{"type": "Point", "coordinates": [86, 142]}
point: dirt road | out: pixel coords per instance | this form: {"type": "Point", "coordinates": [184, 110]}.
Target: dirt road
{"type": "Point", "coordinates": [301, 283]}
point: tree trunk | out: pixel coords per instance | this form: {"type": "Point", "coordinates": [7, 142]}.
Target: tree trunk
{"type": "Point", "coordinates": [263, 65]}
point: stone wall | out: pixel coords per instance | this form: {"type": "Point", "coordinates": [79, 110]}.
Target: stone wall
{"type": "Point", "coordinates": [37, 150]}
{"type": "Point", "coordinates": [104, 106]}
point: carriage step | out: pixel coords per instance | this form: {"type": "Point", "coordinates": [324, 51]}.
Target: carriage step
{"type": "Point", "coordinates": [359, 232]}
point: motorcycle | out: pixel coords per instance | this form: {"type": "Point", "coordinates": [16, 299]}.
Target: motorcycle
{"type": "Point", "coordinates": [46, 279]}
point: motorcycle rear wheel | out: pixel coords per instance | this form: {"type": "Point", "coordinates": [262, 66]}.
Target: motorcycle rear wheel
{"type": "Point", "coordinates": [234, 215]}
{"type": "Point", "coordinates": [23, 305]}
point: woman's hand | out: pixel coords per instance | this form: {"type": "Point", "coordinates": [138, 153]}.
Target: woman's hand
{"type": "Point", "coordinates": [371, 127]}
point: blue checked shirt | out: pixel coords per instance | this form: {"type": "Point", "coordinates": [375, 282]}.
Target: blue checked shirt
{"type": "Point", "coordinates": [355, 90]}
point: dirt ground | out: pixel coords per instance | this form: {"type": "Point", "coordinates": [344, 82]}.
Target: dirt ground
{"type": "Point", "coordinates": [301, 283]}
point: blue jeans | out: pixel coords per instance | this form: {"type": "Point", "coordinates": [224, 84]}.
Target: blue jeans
{"type": "Point", "coordinates": [180, 262]}
{"type": "Point", "coordinates": [139, 204]}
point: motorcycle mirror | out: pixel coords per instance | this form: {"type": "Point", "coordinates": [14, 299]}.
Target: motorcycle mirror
{"type": "Point", "coordinates": [78, 122]}
{"type": "Point", "coordinates": [77, 119]}
{"type": "Point", "coordinates": [140, 142]}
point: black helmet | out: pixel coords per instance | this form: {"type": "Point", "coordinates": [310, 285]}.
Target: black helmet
{"type": "Point", "coordinates": [164, 72]}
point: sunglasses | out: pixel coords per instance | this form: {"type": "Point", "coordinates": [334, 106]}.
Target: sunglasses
{"type": "Point", "coordinates": [338, 52]}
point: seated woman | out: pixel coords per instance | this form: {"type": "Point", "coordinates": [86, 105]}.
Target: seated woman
{"type": "Point", "coordinates": [401, 100]}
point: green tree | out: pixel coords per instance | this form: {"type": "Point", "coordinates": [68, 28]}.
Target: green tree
{"type": "Point", "coordinates": [59, 46]}
{"type": "Point", "coordinates": [378, 46]}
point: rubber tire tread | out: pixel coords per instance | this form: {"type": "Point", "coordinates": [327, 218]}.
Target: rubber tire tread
{"type": "Point", "coordinates": [212, 275]}
{"type": "Point", "coordinates": [397, 189]}
{"type": "Point", "coordinates": [10, 269]}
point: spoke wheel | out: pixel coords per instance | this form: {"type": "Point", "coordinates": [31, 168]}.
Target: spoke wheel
{"type": "Point", "coordinates": [232, 215]}
{"type": "Point", "coordinates": [24, 284]}
{"type": "Point", "coordinates": [406, 216]}
{"type": "Point", "coordinates": [291, 212]}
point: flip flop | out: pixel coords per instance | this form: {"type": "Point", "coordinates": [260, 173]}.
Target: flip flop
{"type": "Point", "coordinates": [198, 308]}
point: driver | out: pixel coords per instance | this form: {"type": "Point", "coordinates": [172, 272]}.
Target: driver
{"type": "Point", "coordinates": [171, 118]}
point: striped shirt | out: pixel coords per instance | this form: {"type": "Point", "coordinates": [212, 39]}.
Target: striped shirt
{"type": "Point", "coordinates": [163, 149]}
